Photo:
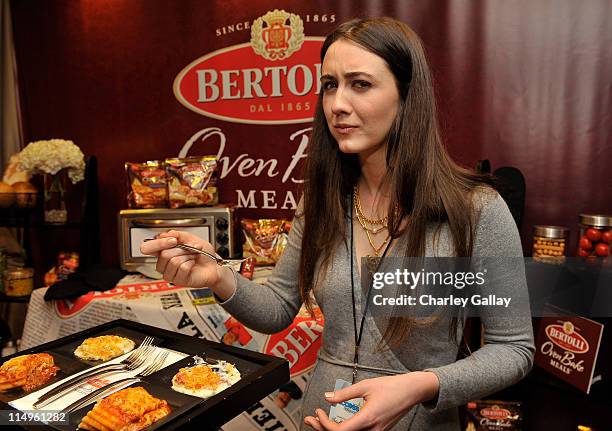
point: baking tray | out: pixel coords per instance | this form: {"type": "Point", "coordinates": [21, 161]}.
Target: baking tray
{"type": "Point", "coordinates": [260, 376]}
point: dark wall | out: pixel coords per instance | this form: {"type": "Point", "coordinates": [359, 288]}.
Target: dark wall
{"type": "Point", "coordinates": [522, 83]}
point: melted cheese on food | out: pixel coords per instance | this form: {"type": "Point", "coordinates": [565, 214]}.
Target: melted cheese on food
{"type": "Point", "coordinates": [205, 380]}
{"type": "Point", "coordinates": [128, 409]}
{"type": "Point", "coordinates": [29, 371]}
{"type": "Point", "coordinates": [103, 348]}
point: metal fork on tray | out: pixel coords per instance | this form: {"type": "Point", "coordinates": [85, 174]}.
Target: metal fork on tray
{"type": "Point", "coordinates": [136, 359]}
{"type": "Point", "coordinates": [156, 364]}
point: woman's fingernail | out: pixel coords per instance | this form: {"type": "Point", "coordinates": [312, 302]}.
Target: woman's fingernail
{"type": "Point", "coordinates": [172, 241]}
{"type": "Point", "coordinates": [329, 394]}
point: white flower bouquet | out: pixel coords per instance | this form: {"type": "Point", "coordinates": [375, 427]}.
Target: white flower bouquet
{"type": "Point", "coordinates": [49, 157]}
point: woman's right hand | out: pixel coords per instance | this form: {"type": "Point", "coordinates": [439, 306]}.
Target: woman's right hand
{"type": "Point", "coordinates": [185, 268]}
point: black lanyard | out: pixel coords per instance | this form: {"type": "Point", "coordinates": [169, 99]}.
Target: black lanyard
{"type": "Point", "coordinates": [359, 334]}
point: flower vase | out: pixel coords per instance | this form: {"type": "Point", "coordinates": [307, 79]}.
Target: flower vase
{"type": "Point", "coordinates": [55, 204]}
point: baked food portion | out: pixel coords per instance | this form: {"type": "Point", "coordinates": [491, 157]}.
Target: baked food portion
{"type": "Point", "coordinates": [129, 409]}
{"type": "Point", "coordinates": [103, 348]}
{"type": "Point", "coordinates": [205, 380]}
{"type": "Point", "coordinates": [27, 371]}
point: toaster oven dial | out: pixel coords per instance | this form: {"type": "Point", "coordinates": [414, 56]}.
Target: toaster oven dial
{"type": "Point", "coordinates": [223, 252]}
{"type": "Point", "coordinates": [222, 238]}
{"type": "Point", "coordinates": [221, 224]}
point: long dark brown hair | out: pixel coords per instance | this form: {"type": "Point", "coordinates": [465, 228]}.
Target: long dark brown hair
{"type": "Point", "coordinates": [426, 185]}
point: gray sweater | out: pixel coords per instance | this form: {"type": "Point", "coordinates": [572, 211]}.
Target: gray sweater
{"type": "Point", "coordinates": [505, 358]}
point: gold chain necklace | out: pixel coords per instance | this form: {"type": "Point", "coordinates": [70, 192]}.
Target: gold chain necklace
{"type": "Point", "coordinates": [380, 222]}
{"type": "Point", "coordinates": [363, 221]}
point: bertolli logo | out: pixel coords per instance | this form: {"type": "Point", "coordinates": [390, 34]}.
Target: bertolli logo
{"type": "Point", "coordinates": [277, 40]}
{"type": "Point", "coordinates": [495, 413]}
{"type": "Point", "coordinates": [567, 338]}
{"type": "Point", "coordinates": [273, 79]}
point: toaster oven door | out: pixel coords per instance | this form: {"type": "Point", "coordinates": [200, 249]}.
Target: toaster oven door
{"type": "Point", "coordinates": [136, 230]}
{"type": "Point", "coordinates": [139, 234]}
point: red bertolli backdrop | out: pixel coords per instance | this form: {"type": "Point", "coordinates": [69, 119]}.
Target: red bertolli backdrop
{"type": "Point", "coordinates": [524, 84]}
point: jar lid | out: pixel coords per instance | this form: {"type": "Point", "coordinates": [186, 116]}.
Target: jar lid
{"type": "Point", "coordinates": [19, 272]}
{"type": "Point", "coordinates": [597, 220]}
{"type": "Point", "coordinates": [550, 231]}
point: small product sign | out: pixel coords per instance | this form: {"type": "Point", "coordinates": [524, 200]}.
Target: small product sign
{"type": "Point", "coordinates": [567, 347]}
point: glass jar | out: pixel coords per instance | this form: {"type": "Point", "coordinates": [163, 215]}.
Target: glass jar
{"type": "Point", "coordinates": [2, 265]}
{"type": "Point", "coordinates": [18, 281]}
{"type": "Point", "coordinates": [595, 236]}
{"type": "Point", "coordinates": [549, 243]}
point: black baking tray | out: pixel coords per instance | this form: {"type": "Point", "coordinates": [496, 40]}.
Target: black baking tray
{"type": "Point", "coordinates": [260, 376]}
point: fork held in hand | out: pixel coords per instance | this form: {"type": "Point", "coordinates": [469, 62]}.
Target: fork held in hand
{"type": "Point", "coordinates": [218, 260]}
{"type": "Point", "coordinates": [155, 365]}
{"type": "Point", "coordinates": [132, 362]}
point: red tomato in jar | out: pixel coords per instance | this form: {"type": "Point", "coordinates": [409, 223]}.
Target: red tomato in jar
{"type": "Point", "coordinates": [602, 250]}
{"type": "Point", "coordinates": [583, 253]}
{"type": "Point", "coordinates": [585, 244]}
{"type": "Point", "coordinates": [607, 236]}
{"type": "Point", "coordinates": [593, 234]}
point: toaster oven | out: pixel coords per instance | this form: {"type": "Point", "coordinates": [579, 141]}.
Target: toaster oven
{"type": "Point", "coordinates": [216, 225]}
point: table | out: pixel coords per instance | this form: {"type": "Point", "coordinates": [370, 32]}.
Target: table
{"type": "Point", "coordinates": [192, 312]}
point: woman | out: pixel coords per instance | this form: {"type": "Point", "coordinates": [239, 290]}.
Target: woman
{"type": "Point", "coordinates": [378, 182]}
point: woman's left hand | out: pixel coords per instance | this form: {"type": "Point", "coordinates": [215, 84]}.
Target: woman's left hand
{"type": "Point", "coordinates": [387, 400]}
